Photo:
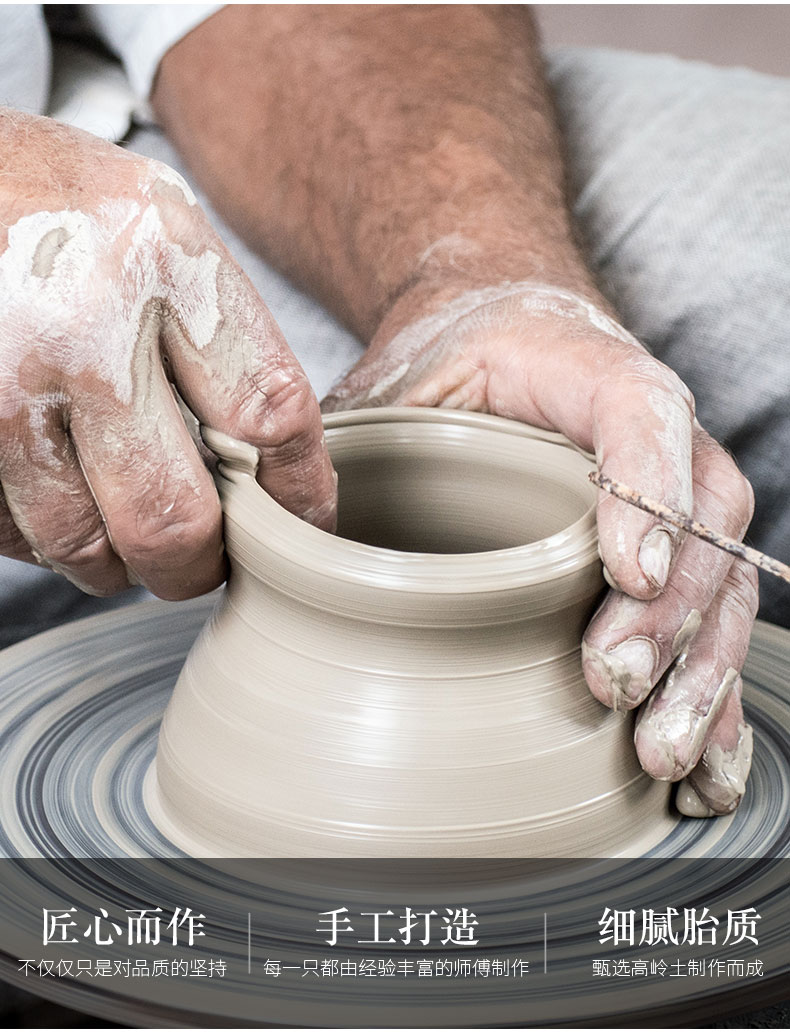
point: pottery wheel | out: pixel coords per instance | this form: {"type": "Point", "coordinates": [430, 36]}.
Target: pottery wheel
{"type": "Point", "coordinates": [80, 709]}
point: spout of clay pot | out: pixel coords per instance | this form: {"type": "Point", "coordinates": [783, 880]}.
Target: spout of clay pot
{"type": "Point", "coordinates": [234, 456]}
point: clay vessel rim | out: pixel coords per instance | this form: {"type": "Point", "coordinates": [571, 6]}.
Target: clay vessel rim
{"type": "Point", "coordinates": [248, 507]}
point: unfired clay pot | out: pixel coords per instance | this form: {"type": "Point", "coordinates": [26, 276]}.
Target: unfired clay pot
{"type": "Point", "coordinates": [411, 687]}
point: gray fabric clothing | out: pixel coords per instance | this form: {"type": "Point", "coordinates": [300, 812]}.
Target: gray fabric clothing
{"type": "Point", "coordinates": [682, 180]}
{"type": "Point", "coordinates": [681, 175]}
{"type": "Point", "coordinates": [139, 34]}
{"type": "Point", "coordinates": [25, 83]}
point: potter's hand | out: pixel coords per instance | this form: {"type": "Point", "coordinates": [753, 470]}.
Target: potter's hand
{"type": "Point", "coordinates": [553, 359]}
{"type": "Point", "coordinates": [413, 150]}
{"type": "Point", "coordinates": [112, 287]}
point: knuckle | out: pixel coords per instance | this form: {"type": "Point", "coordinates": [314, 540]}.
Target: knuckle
{"type": "Point", "coordinates": [159, 187]}
{"type": "Point", "coordinates": [154, 169]}
{"type": "Point", "coordinates": [83, 545]}
{"type": "Point", "coordinates": [645, 370]}
{"type": "Point", "coordinates": [168, 535]}
{"type": "Point", "coordinates": [742, 591]}
{"type": "Point", "coordinates": [643, 385]}
{"type": "Point", "coordinates": [680, 388]}
{"type": "Point", "coordinates": [281, 411]}
{"type": "Point", "coordinates": [731, 496]}
{"type": "Point", "coordinates": [742, 494]}
{"type": "Point", "coordinates": [158, 174]}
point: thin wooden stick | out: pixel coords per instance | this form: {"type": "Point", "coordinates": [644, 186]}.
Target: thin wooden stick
{"type": "Point", "coordinates": [687, 523]}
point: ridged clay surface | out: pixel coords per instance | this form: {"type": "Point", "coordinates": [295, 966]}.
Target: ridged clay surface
{"type": "Point", "coordinates": [412, 686]}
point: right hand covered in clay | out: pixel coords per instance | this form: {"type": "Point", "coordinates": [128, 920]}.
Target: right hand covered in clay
{"type": "Point", "coordinates": [555, 359]}
{"type": "Point", "coordinates": [113, 286]}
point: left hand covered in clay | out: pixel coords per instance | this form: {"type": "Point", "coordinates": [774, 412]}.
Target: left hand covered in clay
{"type": "Point", "coordinates": [673, 632]}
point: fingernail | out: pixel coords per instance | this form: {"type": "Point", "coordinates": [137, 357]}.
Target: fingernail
{"type": "Point", "coordinates": [607, 576]}
{"type": "Point", "coordinates": [719, 781]}
{"type": "Point", "coordinates": [670, 737]}
{"type": "Point", "coordinates": [610, 580]}
{"type": "Point", "coordinates": [688, 802]}
{"type": "Point", "coordinates": [627, 669]}
{"type": "Point", "coordinates": [655, 556]}
{"type": "Point", "coordinates": [708, 718]}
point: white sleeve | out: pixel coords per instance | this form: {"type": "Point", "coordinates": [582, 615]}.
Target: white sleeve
{"type": "Point", "coordinates": [141, 34]}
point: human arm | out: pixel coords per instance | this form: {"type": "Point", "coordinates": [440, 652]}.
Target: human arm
{"type": "Point", "coordinates": [113, 286]}
{"type": "Point", "coordinates": [404, 164]}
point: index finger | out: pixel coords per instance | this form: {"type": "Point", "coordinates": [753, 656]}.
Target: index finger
{"type": "Point", "coordinates": [643, 432]}
{"type": "Point", "coordinates": [235, 371]}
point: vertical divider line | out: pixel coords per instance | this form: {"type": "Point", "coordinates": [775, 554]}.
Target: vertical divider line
{"type": "Point", "coordinates": [249, 942]}
{"type": "Point", "coordinates": [545, 944]}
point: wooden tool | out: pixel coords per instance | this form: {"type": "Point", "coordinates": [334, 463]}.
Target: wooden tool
{"type": "Point", "coordinates": [689, 524]}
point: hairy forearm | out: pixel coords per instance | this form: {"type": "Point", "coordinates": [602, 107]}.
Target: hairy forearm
{"type": "Point", "coordinates": [372, 151]}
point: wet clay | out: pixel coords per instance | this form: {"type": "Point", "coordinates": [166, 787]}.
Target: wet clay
{"type": "Point", "coordinates": [413, 686]}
